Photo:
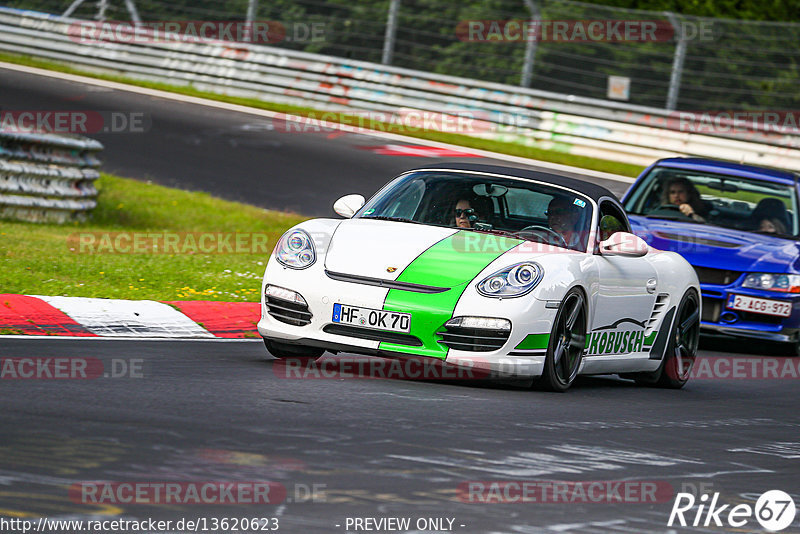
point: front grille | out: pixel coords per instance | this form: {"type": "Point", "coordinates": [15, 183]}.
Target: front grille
{"type": "Point", "coordinates": [374, 335]}
{"type": "Point", "coordinates": [722, 277]}
{"type": "Point", "coordinates": [288, 312]}
{"type": "Point", "coordinates": [473, 339]}
{"type": "Point", "coordinates": [751, 317]}
{"type": "Point", "coordinates": [711, 310]}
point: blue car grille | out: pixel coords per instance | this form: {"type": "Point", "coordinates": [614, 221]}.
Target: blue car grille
{"type": "Point", "coordinates": [713, 308]}
{"type": "Point", "coordinates": [722, 277]}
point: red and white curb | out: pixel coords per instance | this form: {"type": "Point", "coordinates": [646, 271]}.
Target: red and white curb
{"type": "Point", "coordinates": [34, 315]}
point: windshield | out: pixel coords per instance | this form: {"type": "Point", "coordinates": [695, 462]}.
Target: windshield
{"type": "Point", "coordinates": [481, 203]}
{"type": "Point", "coordinates": [714, 199]}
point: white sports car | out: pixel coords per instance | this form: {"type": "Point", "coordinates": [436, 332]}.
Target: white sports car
{"type": "Point", "coordinates": [518, 272]}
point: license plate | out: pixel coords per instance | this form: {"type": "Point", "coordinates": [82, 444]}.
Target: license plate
{"type": "Point", "coordinates": [369, 318]}
{"type": "Point", "coordinates": [763, 306]}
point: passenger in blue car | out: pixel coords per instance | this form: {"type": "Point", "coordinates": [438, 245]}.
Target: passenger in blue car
{"type": "Point", "coordinates": [682, 193]}
{"type": "Point", "coordinates": [770, 216]}
{"type": "Point", "coordinates": [772, 226]}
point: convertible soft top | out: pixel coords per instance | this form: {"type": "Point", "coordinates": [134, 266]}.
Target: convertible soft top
{"type": "Point", "coordinates": [591, 190]}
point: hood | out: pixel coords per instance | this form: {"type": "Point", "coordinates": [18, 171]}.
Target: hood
{"type": "Point", "coordinates": [720, 248]}
{"type": "Point", "coordinates": [444, 257]}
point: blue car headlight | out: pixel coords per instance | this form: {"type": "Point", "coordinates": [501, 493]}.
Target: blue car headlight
{"type": "Point", "coordinates": [295, 250]}
{"type": "Point", "coordinates": [513, 281]}
{"type": "Point", "coordinates": [785, 283]}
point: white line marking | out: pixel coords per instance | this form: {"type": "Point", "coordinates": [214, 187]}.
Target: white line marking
{"type": "Point", "coordinates": [586, 173]}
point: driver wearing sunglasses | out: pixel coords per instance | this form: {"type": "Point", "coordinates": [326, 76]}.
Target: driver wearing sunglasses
{"type": "Point", "coordinates": [464, 214]}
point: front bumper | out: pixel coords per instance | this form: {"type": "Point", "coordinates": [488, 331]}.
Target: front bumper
{"type": "Point", "coordinates": [717, 318]}
{"type": "Point", "coordinates": [527, 315]}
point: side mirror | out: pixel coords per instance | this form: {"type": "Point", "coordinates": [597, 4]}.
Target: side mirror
{"type": "Point", "coordinates": [624, 244]}
{"type": "Point", "coordinates": [348, 205]}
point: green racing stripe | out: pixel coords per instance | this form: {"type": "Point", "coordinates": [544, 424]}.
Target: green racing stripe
{"type": "Point", "coordinates": [453, 262]}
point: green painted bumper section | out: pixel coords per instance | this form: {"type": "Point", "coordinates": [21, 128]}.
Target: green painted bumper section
{"type": "Point", "coordinates": [453, 262]}
{"type": "Point", "coordinates": [534, 342]}
{"type": "Point", "coordinates": [649, 340]}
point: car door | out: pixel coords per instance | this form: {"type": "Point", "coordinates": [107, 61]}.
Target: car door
{"type": "Point", "coordinates": [626, 293]}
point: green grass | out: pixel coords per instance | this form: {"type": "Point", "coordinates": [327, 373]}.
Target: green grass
{"type": "Point", "coordinates": [48, 259]}
{"type": "Point", "coordinates": [514, 149]}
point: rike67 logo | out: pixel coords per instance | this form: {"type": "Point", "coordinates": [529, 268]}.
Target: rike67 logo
{"type": "Point", "coordinates": [774, 510]}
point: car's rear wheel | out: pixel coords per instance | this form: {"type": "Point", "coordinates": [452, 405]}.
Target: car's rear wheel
{"type": "Point", "coordinates": [567, 343]}
{"type": "Point", "coordinates": [287, 350]}
{"type": "Point", "coordinates": [681, 352]}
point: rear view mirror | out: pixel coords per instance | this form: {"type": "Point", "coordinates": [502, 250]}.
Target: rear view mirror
{"type": "Point", "coordinates": [348, 205]}
{"type": "Point", "coordinates": [624, 244]}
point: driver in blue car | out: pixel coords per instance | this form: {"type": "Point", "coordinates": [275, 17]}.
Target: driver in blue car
{"type": "Point", "coordinates": [682, 193]}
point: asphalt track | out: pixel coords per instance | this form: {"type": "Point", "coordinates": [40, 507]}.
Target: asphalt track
{"type": "Point", "coordinates": [213, 411]}
{"type": "Point", "coordinates": [220, 411]}
{"type": "Point", "coordinates": [233, 155]}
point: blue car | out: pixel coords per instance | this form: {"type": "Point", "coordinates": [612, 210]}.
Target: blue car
{"type": "Point", "coordinates": [738, 227]}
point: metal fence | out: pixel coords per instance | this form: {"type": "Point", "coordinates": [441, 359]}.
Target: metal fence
{"type": "Point", "coordinates": [695, 63]}
{"type": "Point", "coordinates": [576, 125]}
{"type": "Point", "coordinates": [47, 178]}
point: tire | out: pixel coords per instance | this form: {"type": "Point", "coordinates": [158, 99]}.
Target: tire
{"type": "Point", "coordinates": [567, 343]}
{"type": "Point", "coordinates": [287, 350]}
{"type": "Point", "coordinates": [681, 352]}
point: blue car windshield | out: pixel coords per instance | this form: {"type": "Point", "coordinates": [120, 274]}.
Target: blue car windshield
{"type": "Point", "coordinates": [715, 199]}
{"type": "Point", "coordinates": [476, 202]}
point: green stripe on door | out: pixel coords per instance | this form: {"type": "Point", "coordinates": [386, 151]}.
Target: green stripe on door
{"type": "Point", "coordinates": [453, 262]}
{"type": "Point", "coordinates": [534, 341]}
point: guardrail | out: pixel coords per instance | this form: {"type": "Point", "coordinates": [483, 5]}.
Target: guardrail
{"type": "Point", "coordinates": [577, 125]}
{"type": "Point", "coordinates": [47, 178]}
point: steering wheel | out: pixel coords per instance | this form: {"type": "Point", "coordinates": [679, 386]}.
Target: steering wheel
{"type": "Point", "coordinates": [670, 210]}
{"type": "Point", "coordinates": [544, 233]}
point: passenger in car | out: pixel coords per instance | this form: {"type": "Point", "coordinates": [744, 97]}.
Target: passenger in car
{"type": "Point", "coordinates": [681, 192]}
{"type": "Point", "coordinates": [767, 212]}
{"type": "Point", "coordinates": [772, 226]}
{"type": "Point", "coordinates": [563, 217]}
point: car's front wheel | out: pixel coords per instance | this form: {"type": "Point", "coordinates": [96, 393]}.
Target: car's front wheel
{"type": "Point", "coordinates": [287, 350]}
{"type": "Point", "coordinates": [567, 343]}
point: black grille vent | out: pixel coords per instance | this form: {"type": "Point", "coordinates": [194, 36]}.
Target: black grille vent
{"type": "Point", "coordinates": [473, 339]}
{"type": "Point", "coordinates": [288, 312]}
{"type": "Point", "coordinates": [722, 277]}
{"type": "Point", "coordinates": [711, 310]}
{"type": "Point", "coordinates": [751, 317]}
{"type": "Point", "coordinates": [374, 335]}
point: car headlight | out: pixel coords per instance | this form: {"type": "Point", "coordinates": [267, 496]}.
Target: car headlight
{"type": "Point", "coordinates": [513, 281]}
{"type": "Point", "coordinates": [296, 250]}
{"type": "Point", "coordinates": [785, 283]}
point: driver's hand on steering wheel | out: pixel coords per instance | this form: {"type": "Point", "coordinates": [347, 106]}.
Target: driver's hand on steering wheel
{"type": "Point", "coordinates": [688, 210]}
